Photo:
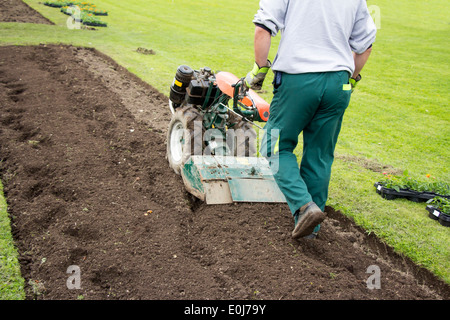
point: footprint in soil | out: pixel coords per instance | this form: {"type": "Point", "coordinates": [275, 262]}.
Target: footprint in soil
{"type": "Point", "coordinates": [15, 91]}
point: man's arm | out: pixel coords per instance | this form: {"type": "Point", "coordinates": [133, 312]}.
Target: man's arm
{"type": "Point", "coordinates": [360, 61]}
{"type": "Point", "coordinates": [262, 44]}
{"type": "Point", "coordinates": [268, 20]}
{"type": "Point", "coordinates": [262, 41]}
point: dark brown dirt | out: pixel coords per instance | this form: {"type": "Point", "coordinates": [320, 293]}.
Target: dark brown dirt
{"type": "Point", "coordinates": [82, 159]}
{"type": "Point", "coordinates": [19, 11]}
{"type": "Point", "coordinates": [88, 185]}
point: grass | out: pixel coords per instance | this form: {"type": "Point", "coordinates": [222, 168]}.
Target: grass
{"type": "Point", "coordinates": [11, 281]}
{"type": "Point", "coordinates": [398, 118]}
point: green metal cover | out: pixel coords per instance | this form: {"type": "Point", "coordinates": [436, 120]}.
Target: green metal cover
{"type": "Point", "coordinates": [222, 179]}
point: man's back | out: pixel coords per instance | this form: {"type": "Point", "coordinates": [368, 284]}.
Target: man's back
{"type": "Point", "coordinates": [317, 35]}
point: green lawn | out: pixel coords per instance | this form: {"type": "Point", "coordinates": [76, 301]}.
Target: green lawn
{"type": "Point", "coordinates": [11, 281]}
{"type": "Point", "coordinates": [398, 117]}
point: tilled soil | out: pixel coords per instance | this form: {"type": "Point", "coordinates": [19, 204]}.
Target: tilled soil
{"type": "Point", "coordinates": [82, 159]}
{"type": "Point", "coordinates": [88, 184]}
{"type": "Point", "coordinates": [19, 11]}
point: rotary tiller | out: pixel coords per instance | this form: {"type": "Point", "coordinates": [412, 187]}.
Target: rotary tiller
{"type": "Point", "coordinates": [211, 141]}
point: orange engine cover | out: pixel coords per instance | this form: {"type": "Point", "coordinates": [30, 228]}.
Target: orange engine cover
{"type": "Point", "coordinates": [225, 82]}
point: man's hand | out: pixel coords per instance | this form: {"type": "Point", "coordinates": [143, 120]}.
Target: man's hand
{"type": "Point", "coordinates": [354, 81]}
{"type": "Point", "coordinates": [255, 78]}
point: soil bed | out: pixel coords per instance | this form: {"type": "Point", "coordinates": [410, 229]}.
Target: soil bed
{"type": "Point", "coordinates": [19, 11]}
{"type": "Point", "coordinates": [82, 159]}
{"type": "Point", "coordinates": [82, 145]}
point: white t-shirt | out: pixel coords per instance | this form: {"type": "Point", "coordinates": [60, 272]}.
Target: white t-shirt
{"type": "Point", "coordinates": [317, 35]}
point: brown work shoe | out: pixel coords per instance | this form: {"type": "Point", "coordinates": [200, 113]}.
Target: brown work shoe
{"type": "Point", "coordinates": [309, 217]}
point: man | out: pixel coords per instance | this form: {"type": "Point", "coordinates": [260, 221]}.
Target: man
{"type": "Point", "coordinates": [323, 48]}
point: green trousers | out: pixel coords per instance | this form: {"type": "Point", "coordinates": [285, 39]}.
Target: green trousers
{"type": "Point", "coordinates": [312, 104]}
